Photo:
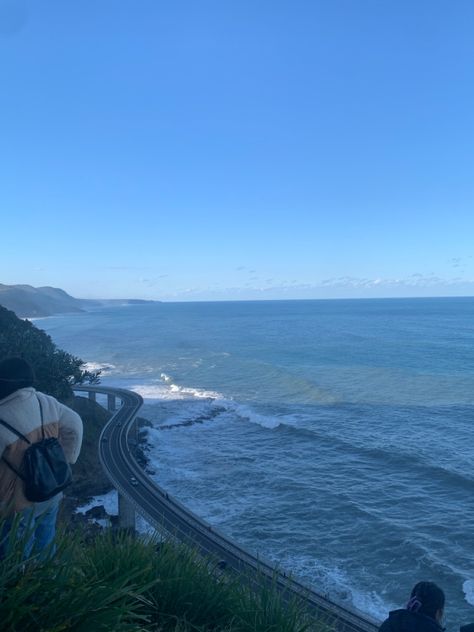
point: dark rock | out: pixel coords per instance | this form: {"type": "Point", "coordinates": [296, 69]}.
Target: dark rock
{"type": "Point", "coordinates": [97, 513]}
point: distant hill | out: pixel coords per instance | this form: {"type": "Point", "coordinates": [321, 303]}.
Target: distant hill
{"type": "Point", "coordinates": [34, 302]}
{"type": "Point", "coordinates": [27, 301]}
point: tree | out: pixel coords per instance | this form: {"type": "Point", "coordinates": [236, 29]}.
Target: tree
{"type": "Point", "coordinates": [56, 371]}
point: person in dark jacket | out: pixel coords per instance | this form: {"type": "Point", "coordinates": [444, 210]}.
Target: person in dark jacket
{"type": "Point", "coordinates": [423, 612]}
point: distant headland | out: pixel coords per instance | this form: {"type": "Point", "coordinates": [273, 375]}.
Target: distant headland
{"type": "Point", "coordinates": [37, 302]}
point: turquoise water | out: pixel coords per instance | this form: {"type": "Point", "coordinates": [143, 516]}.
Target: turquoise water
{"type": "Point", "coordinates": [335, 437]}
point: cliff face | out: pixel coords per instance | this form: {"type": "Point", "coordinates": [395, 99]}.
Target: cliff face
{"type": "Point", "coordinates": [28, 302]}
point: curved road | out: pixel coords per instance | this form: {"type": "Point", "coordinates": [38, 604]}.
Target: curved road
{"type": "Point", "coordinates": [164, 512]}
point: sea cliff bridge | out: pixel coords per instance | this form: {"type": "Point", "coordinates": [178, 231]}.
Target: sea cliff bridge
{"type": "Point", "coordinates": [138, 493]}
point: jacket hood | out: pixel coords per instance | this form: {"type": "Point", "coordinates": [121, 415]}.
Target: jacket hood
{"type": "Point", "coordinates": [21, 393]}
{"type": "Point", "coordinates": [405, 621]}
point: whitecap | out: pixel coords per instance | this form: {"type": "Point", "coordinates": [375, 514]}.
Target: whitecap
{"type": "Point", "coordinates": [468, 588]}
{"type": "Point", "coordinates": [370, 603]}
{"type": "Point", "coordinates": [166, 389]}
{"type": "Point", "coordinates": [188, 391]}
{"type": "Point", "coordinates": [245, 412]}
{"type": "Point", "coordinates": [158, 390]}
{"type": "Point", "coordinates": [152, 391]}
{"type": "Point", "coordinates": [99, 366]}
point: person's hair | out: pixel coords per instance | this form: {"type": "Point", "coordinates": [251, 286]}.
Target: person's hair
{"type": "Point", "coordinates": [426, 598]}
{"type": "Point", "coordinates": [15, 373]}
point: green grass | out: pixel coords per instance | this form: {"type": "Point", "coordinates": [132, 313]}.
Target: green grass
{"type": "Point", "coordinates": [121, 583]}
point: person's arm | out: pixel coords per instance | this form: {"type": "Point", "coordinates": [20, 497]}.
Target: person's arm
{"type": "Point", "coordinates": [70, 433]}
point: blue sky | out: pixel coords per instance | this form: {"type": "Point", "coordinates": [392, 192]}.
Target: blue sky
{"type": "Point", "coordinates": [238, 149]}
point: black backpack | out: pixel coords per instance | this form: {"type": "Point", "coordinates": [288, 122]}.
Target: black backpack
{"type": "Point", "coordinates": [44, 470]}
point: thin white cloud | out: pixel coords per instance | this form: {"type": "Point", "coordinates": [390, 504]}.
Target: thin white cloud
{"type": "Point", "coordinates": [151, 281]}
{"type": "Point", "coordinates": [130, 268]}
{"type": "Point", "coordinates": [456, 262]}
{"type": "Point", "coordinates": [414, 280]}
{"type": "Point", "coordinates": [416, 284]}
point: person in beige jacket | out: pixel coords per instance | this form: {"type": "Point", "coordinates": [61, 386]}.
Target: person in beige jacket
{"type": "Point", "coordinates": [20, 407]}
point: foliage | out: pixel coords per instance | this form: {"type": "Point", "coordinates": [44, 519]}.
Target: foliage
{"type": "Point", "coordinates": [55, 369]}
{"type": "Point", "coordinates": [121, 583]}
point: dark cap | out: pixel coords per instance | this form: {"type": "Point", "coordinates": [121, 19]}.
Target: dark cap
{"type": "Point", "coordinates": [15, 373]}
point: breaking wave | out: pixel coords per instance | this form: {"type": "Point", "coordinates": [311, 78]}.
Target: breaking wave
{"type": "Point", "coordinates": [166, 389]}
{"type": "Point", "coordinates": [99, 366]}
{"type": "Point", "coordinates": [468, 588]}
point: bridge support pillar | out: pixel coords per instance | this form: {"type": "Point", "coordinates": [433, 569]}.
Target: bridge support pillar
{"type": "Point", "coordinates": [126, 513]}
{"type": "Point", "coordinates": [92, 396]}
{"type": "Point", "coordinates": [111, 403]}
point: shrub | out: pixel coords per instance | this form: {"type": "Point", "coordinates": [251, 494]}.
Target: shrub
{"type": "Point", "coordinates": [122, 583]}
{"type": "Point", "coordinates": [55, 369]}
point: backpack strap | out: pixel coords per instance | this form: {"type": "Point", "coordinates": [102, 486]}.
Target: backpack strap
{"type": "Point", "coordinates": [41, 414]}
{"type": "Point", "coordinates": [15, 431]}
{"type": "Point", "coordinates": [21, 436]}
{"type": "Point", "coordinates": [13, 469]}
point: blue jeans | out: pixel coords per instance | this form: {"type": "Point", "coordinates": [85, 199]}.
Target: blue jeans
{"type": "Point", "coordinates": [38, 527]}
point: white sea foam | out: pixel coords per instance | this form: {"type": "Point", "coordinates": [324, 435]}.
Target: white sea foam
{"type": "Point", "coordinates": [165, 389]}
{"type": "Point", "coordinates": [335, 583]}
{"type": "Point", "coordinates": [189, 392]}
{"type": "Point", "coordinates": [99, 366]}
{"type": "Point", "coordinates": [152, 391]}
{"type": "Point", "coordinates": [109, 501]}
{"type": "Point", "coordinates": [174, 391]}
{"type": "Point", "coordinates": [468, 588]}
{"type": "Point", "coordinates": [370, 603]}
{"type": "Point", "coordinates": [194, 392]}
{"type": "Point", "coordinates": [245, 412]}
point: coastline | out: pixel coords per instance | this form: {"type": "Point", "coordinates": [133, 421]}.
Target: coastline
{"type": "Point", "coordinates": [342, 426]}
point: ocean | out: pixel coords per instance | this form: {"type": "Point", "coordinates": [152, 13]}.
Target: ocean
{"type": "Point", "coordinates": [334, 437]}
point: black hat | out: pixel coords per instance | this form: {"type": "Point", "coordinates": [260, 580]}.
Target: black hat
{"type": "Point", "coordinates": [15, 373]}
